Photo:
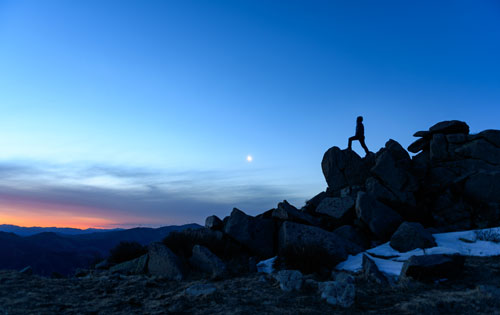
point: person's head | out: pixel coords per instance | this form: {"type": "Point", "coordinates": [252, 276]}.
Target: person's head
{"type": "Point", "coordinates": [359, 119]}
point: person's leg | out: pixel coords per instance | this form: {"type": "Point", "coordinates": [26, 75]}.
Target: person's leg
{"type": "Point", "coordinates": [363, 144]}
{"type": "Point", "coordinates": [350, 142]}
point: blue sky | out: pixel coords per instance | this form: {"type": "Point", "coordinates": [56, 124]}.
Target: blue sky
{"type": "Point", "coordinates": [143, 112]}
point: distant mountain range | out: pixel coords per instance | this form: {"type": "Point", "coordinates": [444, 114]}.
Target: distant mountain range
{"type": "Point", "coordinates": [27, 231]}
{"type": "Point", "coordinates": [62, 252]}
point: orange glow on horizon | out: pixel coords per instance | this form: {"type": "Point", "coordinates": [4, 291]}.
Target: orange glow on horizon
{"type": "Point", "coordinates": [29, 214]}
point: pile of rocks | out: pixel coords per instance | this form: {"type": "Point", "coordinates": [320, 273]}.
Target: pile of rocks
{"type": "Point", "coordinates": [452, 183]}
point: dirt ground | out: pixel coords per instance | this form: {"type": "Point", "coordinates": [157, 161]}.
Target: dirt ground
{"type": "Point", "coordinates": [476, 292]}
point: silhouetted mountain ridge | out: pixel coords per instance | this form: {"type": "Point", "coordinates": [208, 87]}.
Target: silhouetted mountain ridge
{"type": "Point", "coordinates": [49, 252]}
{"type": "Point", "coordinates": [26, 231]}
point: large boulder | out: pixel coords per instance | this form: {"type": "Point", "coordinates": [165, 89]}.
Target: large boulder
{"type": "Point", "coordinates": [484, 187]}
{"type": "Point", "coordinates": [397, 198]}
{"type": "Point", "coordinates": [343, 168]}
{"type": "Point", "coordinates": [491, 135]}
{"type": "Point", "coordinates": [423, 133]}
{"type": "Point", "coordinates": [182, 242]}
{"type": "Point", "coordinates": [395, 177]}
{"type": "Point", "coordinates": [294, 235]}
{"type": "Point", "coordinates": [449, 126]}
{"type": "Point", "coordinates": [214, 223]}
{"type": "Point", "coordinates": [163, 262]}
{"type": "Point", "coordinates": [381, 220]}
{"type": "Point", "coordinates": [134, 266]}
{"type": "Point", "coordinates": [439, 148]}
{"type": "Point", "coordinates": [353, 235]}
{"type": "Point", "coordinates": [203, 259]}
{"type": "Point", "coordinates": [433, 267]}
{"type": "Point", "coordinates": [420, 164]}
{"type": "Point", "coordinates": [336, 207]}
{"type": "Point", "coordinates": [285, 211]}
{"type": "Point", "coordinates": [419, 145]}
{"type": "Point", "coordinates": [312, 203]}
{"type": "Point", "coordinates": [254, 233]}
{"type": "Point", "coordinates": [451, 213]}
{"type": "Point", "coordinates": [398, 153]}
{"type": "Point", "coordinates": [411, 235]}
{"type": "Point", "coordinates": [480, 149]}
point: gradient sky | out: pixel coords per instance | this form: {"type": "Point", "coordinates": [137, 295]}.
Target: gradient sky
{"type": "Point", "coordinates": [142, 113]}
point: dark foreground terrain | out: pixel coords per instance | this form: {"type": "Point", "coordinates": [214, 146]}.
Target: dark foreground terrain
{"type": "Point", "coordinates": [477, 291]}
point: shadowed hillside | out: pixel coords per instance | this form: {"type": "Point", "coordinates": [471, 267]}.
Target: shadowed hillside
{"type": "Point", "coordinates": [50, 252]}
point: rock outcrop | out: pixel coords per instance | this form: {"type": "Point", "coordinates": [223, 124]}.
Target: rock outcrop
{"type": "Point", "coordinates": [254, 233]}
{"type": "Point", "coordinates": [451, 183]}
{"type": "Point", "coordinates": [299, 235]}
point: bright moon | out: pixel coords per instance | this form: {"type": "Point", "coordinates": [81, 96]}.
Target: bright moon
{"type": "Point", "coordinates": [249, 158]}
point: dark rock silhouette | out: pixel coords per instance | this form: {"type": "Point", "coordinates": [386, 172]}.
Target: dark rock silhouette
{"type": "Point", "coordinates": [411, 235]}
{"type": "Point", "coordinates": [135, 266]}
{"type": "Point", "coordinates": [203, 259]}
{"type": "Point", "coordinates": [343, 168]}
{"type": "Point", "coordinates": [353, 234]}
{"type": "Point", "coordinates": [451, 184]}
{"type": "Point", "coordinates": [287, 212]}
{"type": "Point", "coordinates": [294, 234]}
{"type": "Point", "coordinates": [214, 223]}
{"type": "Point", "coordinates": [381, 220]}
{"type": "Point", "coordinates": [163, 262]}
{"type": "Point", "coordinates": [433, 267]}
{"type": "Point", "coordinates": [340, 208]}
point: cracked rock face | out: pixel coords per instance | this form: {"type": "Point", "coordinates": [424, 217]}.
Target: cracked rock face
{"type": "Point", "coordinates": [343, 168]}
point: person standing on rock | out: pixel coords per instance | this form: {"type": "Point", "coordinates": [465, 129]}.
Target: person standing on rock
{"type": "Point", "coordinates": [360, 135]}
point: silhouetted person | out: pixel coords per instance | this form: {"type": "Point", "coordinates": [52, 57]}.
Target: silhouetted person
{"type": "Point", "coordinates": [360, 135]}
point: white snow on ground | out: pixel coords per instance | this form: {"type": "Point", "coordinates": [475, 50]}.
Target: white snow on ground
{"type": "Point", "coordinates": [447, 243]}
{"type": "Point", "coordinates": [266, 266]}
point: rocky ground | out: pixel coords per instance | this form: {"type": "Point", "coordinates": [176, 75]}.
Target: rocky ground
{"type": "Point", "coordinates": [476, 291]}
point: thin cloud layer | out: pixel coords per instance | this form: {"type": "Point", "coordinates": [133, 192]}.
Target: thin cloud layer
{"type": "Point", "coordinates": [116, 196]}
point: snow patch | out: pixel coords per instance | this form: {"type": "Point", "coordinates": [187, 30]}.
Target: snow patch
{"type": "Point", "coordinates": [390, 261]}
{"type": "Point", "coordinates": [266, 266]}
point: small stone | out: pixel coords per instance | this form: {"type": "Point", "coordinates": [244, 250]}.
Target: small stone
{"type": "Point", "coordinates": [289, 280]}
{"type": "Point", "coordinates": [201, 289]}
{"type": "Point", "coordinates": [344, 277]}
{"type": "Point", "coordinates": [338, 293]}
{"type": "Point", "coordinates": [26, 271]}
{"type": "Point", "coordinates": [57, 275]}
